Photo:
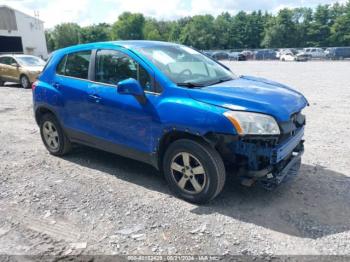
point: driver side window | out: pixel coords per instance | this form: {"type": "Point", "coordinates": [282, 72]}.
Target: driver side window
{"type": "Point", "coordinates": [113, 66]}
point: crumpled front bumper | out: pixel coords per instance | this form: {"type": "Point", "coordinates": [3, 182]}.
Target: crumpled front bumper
{"type": "Point", "coordinates": [291, 169]}
{"type": "Point", "coordinates": [271, 165]}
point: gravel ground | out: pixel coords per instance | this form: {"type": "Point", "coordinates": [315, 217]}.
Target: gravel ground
{"type": "Point", "coordinates": [93, 202]}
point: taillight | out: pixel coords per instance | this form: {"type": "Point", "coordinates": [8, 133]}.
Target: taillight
{"type": "Point", "coordinates": [34, 85]}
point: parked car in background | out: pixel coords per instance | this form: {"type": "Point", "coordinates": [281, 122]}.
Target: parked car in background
{"type": "Point", "coordinates": [338, 53]}
{"type": "Point", "coordinates": [236, 56]}
{"type": "Point", "coordinates": [220, 55]}
{"type": "Point", "coordinates": [207, 53]}
{"type": "Point", "coordinates": [174, 108]}
{"type": "Point", "coordinates": [314, 53]}
{"type": "Point", "coordinates": [22, 69]}
{"type": "Point", "coordinates": [292, 55]}
{"type": "Point", "coordinates": [265, 54]}
{"type": "Point", "coordinates": [248, 54]}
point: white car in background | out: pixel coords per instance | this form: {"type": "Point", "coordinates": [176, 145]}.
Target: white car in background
{"type": "Point", "coordinates": [292, 55]}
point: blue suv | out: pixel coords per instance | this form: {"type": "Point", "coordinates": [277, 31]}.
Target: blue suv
{"type": "Point", "coordinates": [174, 108]}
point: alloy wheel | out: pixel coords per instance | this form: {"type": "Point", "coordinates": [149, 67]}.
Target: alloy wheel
{"type": "Point", "coordinates": [51, 135]}
{"type": "Point", "coordinates": [24, 82]}
{"type": "Point", "coordinates": [188, 172]}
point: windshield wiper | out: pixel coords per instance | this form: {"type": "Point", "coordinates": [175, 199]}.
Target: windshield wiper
{"type": "Point", "coordinates": [190, 84]}
{"type": "Point", "coordinates": [221, 80]}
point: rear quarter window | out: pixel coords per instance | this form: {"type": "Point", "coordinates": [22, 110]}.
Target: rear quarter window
{"type": "Point", "coordinates": [5, 60]}
{"type": "Point", "coordinates": [61, 65]}
{"type": "Point", "coordinates": [75, 65]}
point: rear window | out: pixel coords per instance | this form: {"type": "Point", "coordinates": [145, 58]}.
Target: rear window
{"type": "Point", "coordinates": [75, 65]}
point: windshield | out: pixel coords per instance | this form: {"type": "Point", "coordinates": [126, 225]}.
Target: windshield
{"type": "Point", "coordinates": [30, 61]}
{"type": "Point", "coordinates": [185, 66]}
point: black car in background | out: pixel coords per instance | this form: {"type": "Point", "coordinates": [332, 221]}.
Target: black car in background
{"type": "Point", "coordinates": [248, 54]}
{"type": "Point", "coordinates": [338, 53]}
{"type": "Point", "coordinates": [265, 54]}
{"type": "Point", "coordinates": [220, 55]}
{"type": "Point", "coordinates": [236, 56]}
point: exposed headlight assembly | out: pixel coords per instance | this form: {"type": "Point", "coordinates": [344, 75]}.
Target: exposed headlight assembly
{"type": "Point", "coordinates": [247, 123]}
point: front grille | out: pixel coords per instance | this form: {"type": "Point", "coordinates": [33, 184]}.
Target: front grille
{"type": "Point", "coordinates": [290, 127]}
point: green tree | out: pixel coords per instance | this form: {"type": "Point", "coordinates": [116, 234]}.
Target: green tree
{"type": "Point", "coordinates": [176, 28]}
{"type": "Point", "coordinates": [199, 32]}
{"type": "Point", "coordinates": [95, 33]}
{"type": "Point", "coordinates": [319, 30]}
{"type": "Point", "coordinates": [254, 30]}
{"type": "Point", "coordinates": [281, 30]}
{"type": "Point", "coordinates": [151, 30]}
{"type": "Point", "coordinates": [340, 30]}
{"type": "Point", "coordinates": [300, 27]}
{"type": "Point", "coordinates": [223, 31]}
{"type": "Point", "coordinates": [64, 35]}
{"type": "Point", "coordinates": [238, 30]}
{"type": "Point", "coordinates": [303, 19]}
{"type": "Point", "coordinates": [49, 41]}
{"type": "Point", "coordinates": [128, 27]}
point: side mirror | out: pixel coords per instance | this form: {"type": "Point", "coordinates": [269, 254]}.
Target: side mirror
{"type": "Point", "coordinates": [15, 65]}
{"type": "Point", "coordinates": [132, 87]}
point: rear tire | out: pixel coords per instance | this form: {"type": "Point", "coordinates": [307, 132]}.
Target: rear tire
{"type": "Point", "coordinates": [24, 81]}
{"type": "Point", "coordinates": [53, 136]}
{"type": "Point", "coordinates": [194, 171]}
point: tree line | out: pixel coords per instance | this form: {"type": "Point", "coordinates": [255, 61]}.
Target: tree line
{"type": "Point", "coordinates": [326, 25]}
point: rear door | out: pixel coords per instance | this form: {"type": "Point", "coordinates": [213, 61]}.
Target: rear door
{"type": "Point", "coordinates": [72, 82]}
{"type": "Point", "coordinates": [5, 68]}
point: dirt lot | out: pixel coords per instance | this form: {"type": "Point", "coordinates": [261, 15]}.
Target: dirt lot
{"type": "Point", "coordinates": [93, 202]}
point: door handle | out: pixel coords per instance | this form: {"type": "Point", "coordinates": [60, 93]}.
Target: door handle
{"type": "Point", "coordinates": [56, 85]}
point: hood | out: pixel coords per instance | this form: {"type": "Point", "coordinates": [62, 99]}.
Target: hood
{"type": "Point", "coordinates": [248, 93]}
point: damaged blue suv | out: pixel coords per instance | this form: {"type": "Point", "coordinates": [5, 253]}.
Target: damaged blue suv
{"type": "Point", "coordinates": [174, 108]}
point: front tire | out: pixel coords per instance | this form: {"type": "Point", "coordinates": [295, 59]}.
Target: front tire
{"type": "Point", "coordinates": [24, 81]}
{"type": "Point", "coordinates": [53, 136]}
{"type": "Point", "coordinates": [194, 171]}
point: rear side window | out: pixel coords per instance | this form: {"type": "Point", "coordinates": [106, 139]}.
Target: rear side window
{"type": "Point", "coordinates": [75, 65]}
{"type": "Point", "coordinates": [113, 66]}
{"type": "Point", "coordinates": [5, 60]}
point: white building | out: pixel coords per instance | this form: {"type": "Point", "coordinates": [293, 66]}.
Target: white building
{"type": "Point", "coordinates": [21, 33]}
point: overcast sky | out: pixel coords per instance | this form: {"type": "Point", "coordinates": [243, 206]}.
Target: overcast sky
{"type": "Point", "coordinates": [85, 12]}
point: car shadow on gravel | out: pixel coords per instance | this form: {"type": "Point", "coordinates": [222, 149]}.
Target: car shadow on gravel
{"type": "Point", "coordinates": [313, 205]}
{"type": "Point", "coordinates": [123, 168]}
{"type": "Point", "coordinates": [13, 85]}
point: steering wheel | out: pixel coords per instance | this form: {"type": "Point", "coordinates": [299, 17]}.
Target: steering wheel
{"type": "Point", "coordinates": [184, 71]}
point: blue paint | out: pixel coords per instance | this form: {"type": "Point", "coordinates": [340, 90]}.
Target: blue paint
{"type": "Point", "coordinates": [120, 118]}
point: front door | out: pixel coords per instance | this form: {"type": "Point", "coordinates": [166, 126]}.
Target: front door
{"type": "Point", "coordinates": [122, 119]}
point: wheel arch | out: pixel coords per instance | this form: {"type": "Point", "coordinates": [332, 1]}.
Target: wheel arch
{"type": "Point", "coordinates": [41, 111]}
{"type": "Point", "coordinates": [174, 135]}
